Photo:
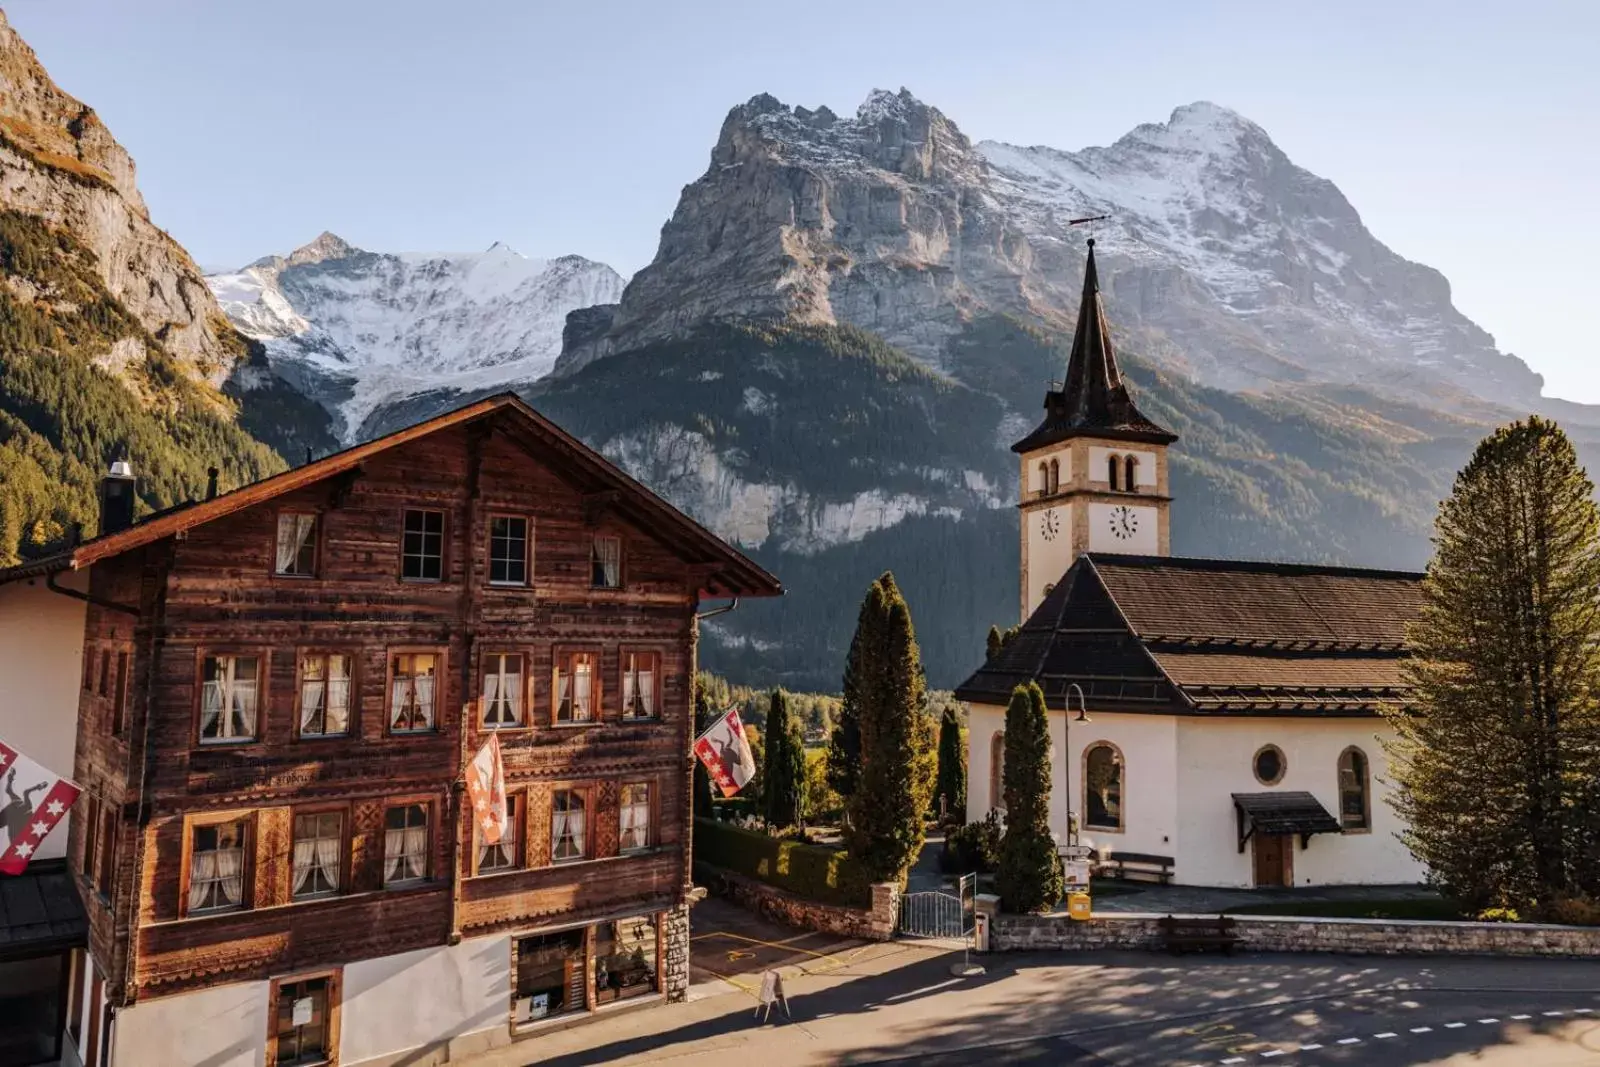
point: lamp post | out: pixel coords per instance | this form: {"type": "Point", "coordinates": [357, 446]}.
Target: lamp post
{"type": "Point", "coordinates": [1066, 736]}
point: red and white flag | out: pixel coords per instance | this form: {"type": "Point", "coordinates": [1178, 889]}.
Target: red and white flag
{"type": "Point", "coordinates": [725, 750]}
{"type": "Point", "coordinates": [32, 801]}
{"type": "Point", "coordinates": [486, 789]}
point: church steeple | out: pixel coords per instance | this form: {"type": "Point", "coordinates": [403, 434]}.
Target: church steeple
{"type": "Point", "coordinates": [1093, 401]}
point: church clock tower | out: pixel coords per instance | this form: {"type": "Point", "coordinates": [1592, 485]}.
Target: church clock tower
{"type": "Point", "coordinates": [1094, 472]}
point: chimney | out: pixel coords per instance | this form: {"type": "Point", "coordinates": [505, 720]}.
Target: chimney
{"type": "Point", "coordinates": [116, 498]}
{"type": "Point", "coordinates": [211, 482]}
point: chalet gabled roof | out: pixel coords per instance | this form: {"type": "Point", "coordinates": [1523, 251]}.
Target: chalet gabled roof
{"type": "Point", "coordinates": [1201, 636]}
{"type": "Point", "coordinates": [731, 572]}
{"type": "Point", "coordinates": [1094, 400]}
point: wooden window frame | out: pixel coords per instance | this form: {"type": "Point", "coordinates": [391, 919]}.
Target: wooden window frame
{"type": "Point", "coordinates": [346, 847]}
{"type": "Point", "coordinates": [247, 818]}
{"type": "Point", "coordinates": [521, 821]}
{"type": "Point", "coordinates": [119, 699]}
{"type": "Point", "coordinates": [263, 658]}
{"type": "Point", "coordinates": [444, 545]}
{"type": "Point", "coordinates": [351, 728]}
{"type": "Point", "coordinates": [105, 876]}
{"type": "Point", "coordinates": [335, 977]}
{"type": "Point", "coordinates": [527, 550]}
{"type": "Point", "coordinates": [103, 672]}
{"type": "Point", "coordinates": [622, 683]}
{"type": "Point", "coordinates": [316, 544]}
{"type": "Point", "coordinates": [525, 721]}
{"type": "Point", "coordinates": [441, 678]}
{"type": "Point", "coordinates": [652, 837]}
{"type": "Point", "coordinates": [587, 791]}
{"type": "Point", "coordinates": [1366, 790]}
{"type": "Point", "coordinates": [562, 658]}
{"type": "Point", "coordinates": [1122, 787]}
{"type": "Point", "coordinates": [430, 804]}
{"type": "Point", "coordinates": [1283, 764]}
{"type": "Point", "coordinates": [622, 561]}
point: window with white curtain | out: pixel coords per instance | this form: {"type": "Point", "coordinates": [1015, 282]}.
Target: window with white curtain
{"type": "Point", "coordinates": [405, 844]}
{"type": "Point", "coordinates": [505, 854]}
{"type": "Point", "coordinates": [502, 690]}
{"type": "Point", "coordinates": [567, 838]}
{"type": "Point", "coordinates": [634, 815]}
{"type": "Point", "coordinates": [297, 545]}
{"type": "Point", "coordinates": [639, 673]}
{"type": "Point", "coordinates": [411, 691]}
{"type": "Point", "coordinates": [228, 692]}
{"type": "Point", "coordinates": [324, 694]}
{"type": "Point", "coordinates": [318, 854]}
{"type": "Point", "coordinates": [576, 687]}
{"type": "Point", "coordinates": [606, 563]}
{"type": "Point", "coordinates": [216, 867]}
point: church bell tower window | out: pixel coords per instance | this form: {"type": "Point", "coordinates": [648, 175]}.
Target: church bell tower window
{"type": "Point", "coordinates": [1113, 465]}
{"type": "Point", "coordinates": [1130, 468]}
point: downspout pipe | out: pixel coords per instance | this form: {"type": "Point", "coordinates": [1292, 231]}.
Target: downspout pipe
{"type": "Point", "coordinates": [87, 598]}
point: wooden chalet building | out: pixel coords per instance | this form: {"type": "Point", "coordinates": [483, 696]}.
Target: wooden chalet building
{"type": "Point", "coordinates": [280, 687]}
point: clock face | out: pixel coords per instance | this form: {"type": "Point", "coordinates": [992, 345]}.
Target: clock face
{"type": "Point", "coordinates": [1049, 524]}
{"type": "Point", "coordinates": [1124, 522]}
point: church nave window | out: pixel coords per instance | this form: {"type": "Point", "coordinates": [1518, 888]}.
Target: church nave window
{"type": "Point", "coordinates": [1354, 798]}
{"type": "Point", "coordinates": [997, 771]}
{"type": "Point", "coordinates": [1102, 787]}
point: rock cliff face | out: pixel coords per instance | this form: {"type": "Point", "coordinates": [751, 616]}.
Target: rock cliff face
{"type": "Point", "coordinates": [60, 164]}
{"type": "Point", "coordinates": [1223, 258]}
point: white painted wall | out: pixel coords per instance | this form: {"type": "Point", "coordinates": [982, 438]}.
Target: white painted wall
{"type": "Point", "coordinates": [1104, 520]}
{"type": "Point", "coordinates": [424, 998]}
{"type": "Point", "coordinates": [1049, 554]}
{"type": "Point", "coordinates": [41, 665]}
{"type": "Point", "coordinates": [1214, 762]}
{"type": "Point", "coordinates": [1144, 471]}
{"type": "Point", "coordinates": [223, 1026]}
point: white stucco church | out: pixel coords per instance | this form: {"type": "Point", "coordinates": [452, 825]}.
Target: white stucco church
{"type": "Point", "coordinates": [1212, 722]}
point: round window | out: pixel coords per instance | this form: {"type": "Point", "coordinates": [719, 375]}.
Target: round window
{"type": "Point", "coordinates": [1270, 765]}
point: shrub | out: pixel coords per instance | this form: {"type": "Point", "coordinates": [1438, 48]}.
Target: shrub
{"type": "Point", "coordinates": [824, 875]}
{"type": "Point", "coordinates": [1499, 915]}
{"type": "Point", "coordinates": [1572, 911]}
{"type": "Point", "coordinates": [973, 847]}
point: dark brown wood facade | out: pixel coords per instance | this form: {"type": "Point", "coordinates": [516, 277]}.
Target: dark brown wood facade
{"type": "Point", "coordinates": [211, 590]}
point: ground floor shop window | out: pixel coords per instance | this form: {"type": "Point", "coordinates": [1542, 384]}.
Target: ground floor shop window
{"type": "Point", "coordinates": [625, 959]}
{"type": "Point", "coordinates": [550, 975]}
{"type": "Point", "coordinates": [30, 1010]}
{"type": "Point", "coordinates": [303, 1022]}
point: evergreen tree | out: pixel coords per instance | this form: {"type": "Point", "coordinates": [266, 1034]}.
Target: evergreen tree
{"type": "Point", "coordinates": [992, 644]}
{"type": "Point", "coordinates": [1030, 877]}
{"type": "Point", "coordinates": [786, 765]}
{"type": "Point", "coordinates": [897, 742]}
{"type": "Point", "coordinates": [1496, 766]}
{"type": "Point", "coordinates": [844, 743]}
{"type": "Point", "coordinates": [952, 780]}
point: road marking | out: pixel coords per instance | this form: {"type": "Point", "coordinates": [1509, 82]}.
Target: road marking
{"type": "Point", "coordinates": [1383, 1036]}
{"type": "Point", "coordinates": [925, 989]}
{"type": "Point", "coordinates": [1454, 1026]}
{"type": "Point", "coordinates": [1582, 1011]}
{"type": "Point", "coordinates": [1234, 1059]}
{"type": "Point", "coordinates": [1274, 1052]}
{"type": "Point", "coordinates": [1349, 1041]}
{"type": "Point", "coordinates": [1309, 1048]}
{"type": "Point", "coordinates": [1519, 1017]}
{"type": "Point", "coordinates": [1488, 1021]}
{"type": "Point", "coordinates": [1422, 1029]}
{"type": "Point", "coordinates": [1555, 1013]}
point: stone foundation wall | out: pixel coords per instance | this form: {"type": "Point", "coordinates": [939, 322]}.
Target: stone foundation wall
{"type": "Point", "coordinates": [1372, 937]}
{"type": "Point", "coordinates": [869, 924]}
{"type": "Point", "coordinates": [678, 954]}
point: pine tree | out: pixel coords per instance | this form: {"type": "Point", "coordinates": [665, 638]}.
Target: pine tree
{"type": "Point", "coordinates": [1030, 876]}
{"type": "Point", "coordinates": [1496, 765]}
{"type": "Point", "coordinates": [786, 765]}
{"type": "Point", "coordinates": [897, 743]}
{"type": "Point", "coordinates": [844, 743]}
{"type": "Point", "coordinates": [992, 644]}
{"type": "Point", "coordinates": [952, 780]}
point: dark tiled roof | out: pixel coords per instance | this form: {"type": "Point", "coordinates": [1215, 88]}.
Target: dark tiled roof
{"type": "Point", "coordinates": [1094, 400]}
{"type": "Point", "coordinates": [40, 911]}
{"type": "Point", "coordinates": [1198, 636]}
{"type": "Point", "coordinates": [1285, 813]}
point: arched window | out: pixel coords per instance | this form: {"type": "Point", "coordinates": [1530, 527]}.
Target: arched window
{"type": "Point", "coordinates": [1044, 478]}
{"type": "Point", "coordinates": [1102, 787]}
{"type": "Point", "coordinates": [1355, 808]}
{"type": "Point", "coordinates": [1130, 469]}
{"type": "Point", "coordinates": [997, 771]}
{"type": "Point", "coordinates": [1055, 476]}
{"type": "Point", "coordinates": [1113, 464]}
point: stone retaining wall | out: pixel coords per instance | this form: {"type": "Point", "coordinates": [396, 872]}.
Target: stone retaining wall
{"type": "Point", "coordinates": [1260, 933]}
{"type": "Point", "coordinates": [869, 924]}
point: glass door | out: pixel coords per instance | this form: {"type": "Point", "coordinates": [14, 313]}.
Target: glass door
{"type": "Point", "coordinates": [302, 1026]}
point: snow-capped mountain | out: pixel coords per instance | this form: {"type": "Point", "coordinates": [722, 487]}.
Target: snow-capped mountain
{"type": "Point", "coordinates": [1221, 257]}
{"type": "Point", "coordinates": [358, 330]}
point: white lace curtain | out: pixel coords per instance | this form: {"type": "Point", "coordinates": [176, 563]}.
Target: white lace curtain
{"type": "Point", "coordinates": [567, 828]}
{"type": "Point", "coordinates": [608, 561]}
{"type": "Point", "coordinates": [405, 853]}
{"type": "Point", "coordinates": [294, 534]}
{"type": "Point", "coordinates": [635, 817]}
{"type": "Point", "coordinates": [411, 702]}
{"type": "Point", "coordinates": [228, 698]}
{"type": "Point", "coordinates": [320, 855]}
{"type": "Point", "coordinates": [325, 695]}
{"type": "Point", "coordinates": [216, 878]}
{"type": "Point", "coordinates": [502, 691]}
{"type": "Point", "coordinates": [639, 687]}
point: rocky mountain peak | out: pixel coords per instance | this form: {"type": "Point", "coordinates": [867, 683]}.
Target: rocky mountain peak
{"type": "Point", "coordinates": [325, 246]}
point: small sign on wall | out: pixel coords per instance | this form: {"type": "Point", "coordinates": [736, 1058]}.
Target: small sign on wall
{"type": "Point", "coordinates": [302, 1012]}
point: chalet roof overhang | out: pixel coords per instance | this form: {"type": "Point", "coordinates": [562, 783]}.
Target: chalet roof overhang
{"type": "Point", "coordinates": [1282, 813]}
{"type": "Point", "coordinates": [727, 571]}
{"type": "Point", "coordinates": [40, 912]}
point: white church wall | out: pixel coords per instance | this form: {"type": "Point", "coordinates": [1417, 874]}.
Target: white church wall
{"type": "Point", "coordinates": [1139, 528]}
{"type": "Point", "coordinates": [983, 722]}
{"type": "Point", "coordinates": [1215, 758]}
{"type": "Point", "coordinates": [1144, 470]}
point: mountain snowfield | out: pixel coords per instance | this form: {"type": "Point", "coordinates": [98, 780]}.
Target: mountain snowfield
{"type": "Point", "coordinates": [357, 330]}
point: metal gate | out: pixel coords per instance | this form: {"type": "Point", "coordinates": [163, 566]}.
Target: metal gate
{"type": "Point", "coordinates": [940, 913]}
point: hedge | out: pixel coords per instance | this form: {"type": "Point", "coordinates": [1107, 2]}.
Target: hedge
{"type": "Point", "coordinates": [821, 874]}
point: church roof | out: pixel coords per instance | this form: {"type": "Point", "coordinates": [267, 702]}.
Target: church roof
{"type": "Point", "coordinates": [1094, 400]}
{"type": "Point", "coordinates": [1200, 636]}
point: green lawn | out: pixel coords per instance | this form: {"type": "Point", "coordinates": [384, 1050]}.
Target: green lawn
{"type": "Point", "coordinates": [1354, 909]}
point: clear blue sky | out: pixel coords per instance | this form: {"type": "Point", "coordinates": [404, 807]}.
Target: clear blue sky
{"type": "Point", "coordinates": [1466, 133]}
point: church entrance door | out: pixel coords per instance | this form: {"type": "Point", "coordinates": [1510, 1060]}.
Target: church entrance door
{"type": "Point", "coordinates": [1274, 859]}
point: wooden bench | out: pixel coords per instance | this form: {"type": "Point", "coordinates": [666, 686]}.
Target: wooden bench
{"type": "Point", "coordinates": [1142, 866]}
{"type": "Point", "coordinates": [1198, 933]}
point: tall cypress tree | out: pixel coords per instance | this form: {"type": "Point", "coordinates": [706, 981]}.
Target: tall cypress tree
{"type": "Point", "coordinates": [1497, 766]}
{"type": "Point", "coordinates": [844, 743]}
{"type": "Point", "coordinates": [1030, 878]}
{"type": "Point", "coordinates": [952, 780]}
{"type": "Point", "coordinates": [786, 764]}
{"type": "Point", "coordinates": [897, 744]}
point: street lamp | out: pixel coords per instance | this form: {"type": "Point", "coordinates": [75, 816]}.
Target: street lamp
{"type": "Point", "coordinates": [1066, 734]}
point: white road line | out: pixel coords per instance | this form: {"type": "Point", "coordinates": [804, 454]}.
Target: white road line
{"type": "Point", "coordinates": [1522, 1016]}
{"type": "Point", "coordinates": [1309, 1048]}
{"type": "Point", "coordinates": [1454, 1026]}
{"type": "Point", "coordinates": [1555, 1013]}
{"type": "Point", "coordinates": [1582, 1011]}
{"type": "Point", "coordinates": [1349, 1041]}
{"type": "Point", "coordinates": [1422, 1029]}
{"type": "Point", "coordinates": [1274, 1052]}
{"type": "Point", "coordinates": [1388, 1034]}
{"type": "Point", "coordinates": [1234, 1059]}
{"type": "Point", "coordinates": [1488, 1021]}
